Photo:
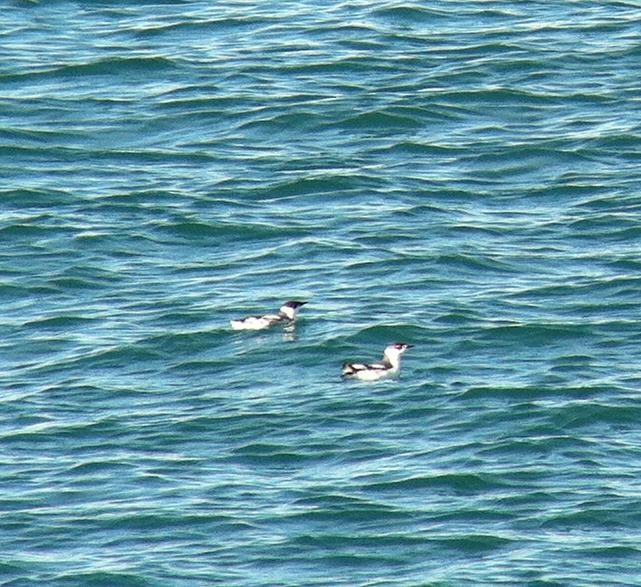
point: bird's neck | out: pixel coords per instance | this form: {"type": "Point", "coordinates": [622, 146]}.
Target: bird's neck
{"type": "Point", "coordinates": [393, 360]}
{"type": "Point", "coordinates": [288, 313]}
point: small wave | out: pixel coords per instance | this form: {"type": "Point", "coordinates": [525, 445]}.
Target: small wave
{"type": "Point", "coordinates": [59, 322]}
{"type": "Point", "coordinates": [240, 232]}
{"type": "Point", "coordinates": [410, 14]}
{"type": "Point", "coordinates": [608, 229]}
{"type": "Point", "coordinates": [101, 579]}
{"type": "Point", "coordinates": [379, 120]}
{"type": "Point", "coordinates": [594, 414]}
{"type": "Point", "coordinates": [476, 263]}
{"type": "Point", "coordinates": [414, 148]}
{"type": "Point", "coordinates": [36, 198]}
{"type": "Point", "coordinates": [596, 200]}
{"type": "Point", "coordinates": [198, 27]}
{"type": "Point", "coordinates": [608, 553]}
{"type": "Point", "coordinates": [488, 98]}
{"type": "Point", "coordinates": [364, 511]}
{"type": "Point", "coordinates": [88, 469]}
{"type": "Point", "coordinates": [475, 543]}
{"type": "Point", "coordinates": [110, 67]}
{"type": "Point", "coordinates": [267, 455]}
{"type": "Point", "coordinates": [300, 122]}
{"type": "Point", "coordinates": [456, 482]}
{"type": "Point", "coordinates": [588, 516]}
{"type": "Point", "coordinates": [534, 334]}
{"type": "Point", "coordinates": [325, 184]}
{"type": "Point", "coordinates": [20, 230]}
{"type": "Point", "coordinates": [390, 540]}
{"type": "Point", "coordinates": [379, 336]}
{"type": "Point", "coordinates": [53, 430]}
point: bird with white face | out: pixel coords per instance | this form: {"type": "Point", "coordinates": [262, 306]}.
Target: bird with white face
{"type": "Point", "coordinates": [389, 365]}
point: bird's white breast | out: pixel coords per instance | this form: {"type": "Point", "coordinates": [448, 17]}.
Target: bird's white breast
{"type": "Point", "coordinates": [372, 374]}
{"type": "Point", "coordinates": [253, 323]}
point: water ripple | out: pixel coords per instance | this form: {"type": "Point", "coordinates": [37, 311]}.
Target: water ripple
{"type": "Point", "coordinates": [461, 177]}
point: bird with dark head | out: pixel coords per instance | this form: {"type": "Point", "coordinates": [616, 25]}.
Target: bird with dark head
{"type": "Point", "coordinates": [286, 315]}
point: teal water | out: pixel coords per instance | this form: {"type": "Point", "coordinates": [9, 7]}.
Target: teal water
{"type": "Point", "coordinates": [460, 175]}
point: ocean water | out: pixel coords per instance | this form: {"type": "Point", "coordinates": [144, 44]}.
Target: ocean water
{"type": "Point", "coordinates": [463, 176]}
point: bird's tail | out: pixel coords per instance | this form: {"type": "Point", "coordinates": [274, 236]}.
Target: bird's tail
{"type": "Point", "coordinates": [347, 370]}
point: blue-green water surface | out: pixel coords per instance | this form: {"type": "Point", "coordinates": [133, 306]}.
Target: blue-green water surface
{"type": "Point", "coordinates": [461, 175]}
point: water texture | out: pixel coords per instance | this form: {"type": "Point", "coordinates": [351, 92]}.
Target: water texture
{"type": "Point", "coordinates": [463, 176]}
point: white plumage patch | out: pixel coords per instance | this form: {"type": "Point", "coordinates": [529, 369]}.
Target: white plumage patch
{"type": "Point", "coordinates": [255, 322]}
